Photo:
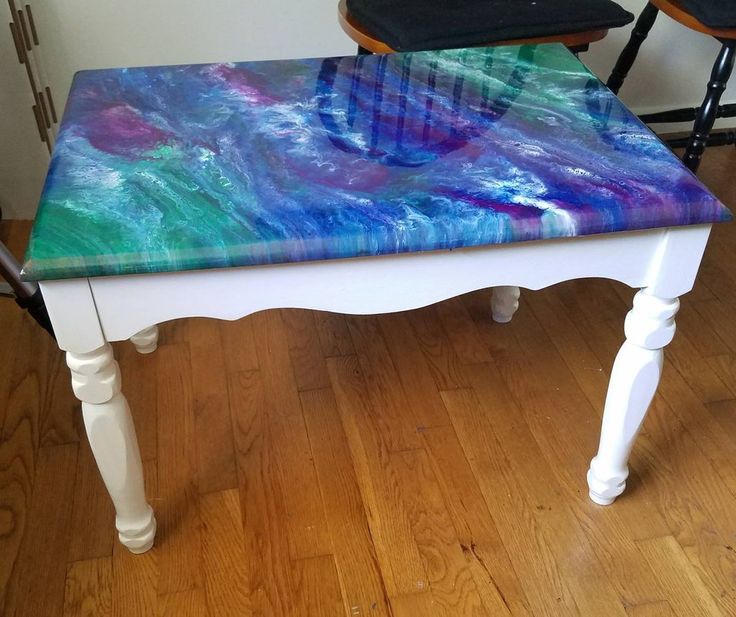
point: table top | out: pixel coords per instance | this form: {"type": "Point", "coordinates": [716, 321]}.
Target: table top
{"type": "Point", "coordinates": [186, 167]}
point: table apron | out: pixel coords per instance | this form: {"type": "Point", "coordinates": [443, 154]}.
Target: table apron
{"type": "Point", "coordinates": [664, 260]}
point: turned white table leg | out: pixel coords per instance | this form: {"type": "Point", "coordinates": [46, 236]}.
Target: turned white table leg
{"type": "Point", "coordinates": [146, 340]}
{"type": "Point", "coordinates": [649, 326]}
{"type": "Point", "coordinates": [504, 303]}
{"type": "Point", "coordinates": [96, 382]}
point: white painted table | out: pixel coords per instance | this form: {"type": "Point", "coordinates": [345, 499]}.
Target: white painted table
{"type": "Point", "coordinates": [88, 314]}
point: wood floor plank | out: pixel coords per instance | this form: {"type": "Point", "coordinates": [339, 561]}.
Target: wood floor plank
{"type": "Point", "coordinates": [701, 334]}
{"type": "Point", "coordinates": [461, 330]}
{"type": "Point", "coordinates": [520, 444]}
{"type": "Point", "coordinates": [705, 383]}
{"type": "Point", "coordinates": [450, 578]}
{"type": "Point", "coordinates": [482, 544]}
{"type": "Point", "coordinates": [88, 590]}
{"type": "Point", "coordinates": [216, 467]}
{"type": "Point", "coordinates": [37, 584]}
{"type": "Point", "coordinates": [92, 525]}
{"type": "Point", "coordinates": [417, 605]}
{"type": "Point", "coordinates": [60, 407]}
{"type": "Point", "coordinates": [261, 496]}
{"type": "Point", "coordinates": [397, 553]}
{"type": "Point", "coordinates": [545, 587]}
{"type": "Point", "coordinates": [189, 603]}
{"type": "Point", "coordinates": [224, 564]}
{"type": "Point", "coordinates": [308, 532]}
{"type": "Point", "coordinates": [724, 412]}
{"type": "Point", "coordinates": [139, 373]}
{"type": "Point", "coordinates": [357, 564]}
{"type": "Point", "coordinates": [718, 315]}
{"type": "Point", "coordinates": [135, 578]}
{"type": "Point", "coordinates": [691, 409]}
{"type": "Point", "coordinates": [654, 609]}
{"type": "Point", "coordinates": [17, 468]}
{"type": "Point", "coordinates": [686, 592]}
{"type": "Point", "coordinates": [307, 359]}
{"type": "Point", "coordinates": [10, 324]}
{"type": "Point", "coordinates": [383, 383]}
{"type": "Point", "coordinates": [334, 336]}
{"type": "Point", "coordinates": [317, 588]}
{"type": "Point", "coordinates": [178, 540]}
{"type": "Point", "coordinates": [422, 397]}
{"type": "Point", "coordinates": [431, 337]}
{"type": "Point", "coordinates": [16, 238]}
{"type": "Point", "coordinates": [24, 394]}
{"type": "Point", "coordinates": [238, 345]}
{"type": "Point", "coordinates": [724, 365]}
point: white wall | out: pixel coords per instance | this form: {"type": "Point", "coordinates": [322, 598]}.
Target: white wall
{"type": "Point", "coordinates": [77, 34]}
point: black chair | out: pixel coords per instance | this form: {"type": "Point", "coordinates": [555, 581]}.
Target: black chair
{"type": "Point", "coordinates": [383, 26]}
{"type": "Point", "coordinates": [715, 18]}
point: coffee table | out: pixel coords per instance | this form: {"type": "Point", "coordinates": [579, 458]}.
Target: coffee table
{"type": "Point", "coordinates": [356, 185]}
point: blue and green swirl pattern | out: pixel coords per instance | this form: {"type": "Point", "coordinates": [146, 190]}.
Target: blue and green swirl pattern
{"type": "Point", "coordinates": [205, 166]}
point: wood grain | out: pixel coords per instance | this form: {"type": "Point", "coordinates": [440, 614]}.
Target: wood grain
{"type": "Point", "coordinates": [178, 540]}
{"type": "Point", "coordinates": [216, 468]}
{"type": "Point", "coordinates": [88, 591]}
{"type": "Point", "coordinates": [427, 463]}
{"type": "Point", "coordinates": [40, 571]}
{"type": "Point", "coordinates": [317, 588]}
{"type": "Point", "coordinates": [357, 565]}
{"type": "Point", "coordinates": [223, 554]}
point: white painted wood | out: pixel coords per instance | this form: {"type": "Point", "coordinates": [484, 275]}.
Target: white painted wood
{"type": "Point", "coordinates": [146, 340]}
{"type": "Point", "coordinates": [73, 314]}
{"type": "Point", "coordinates": [504, 303]}
{"type": "Point", "coordinates": [649, 326]}
{"type": "Point", "coordinates": [107, 419]}
{"type": "Point", "coordinates": [88, 313]}
{"type": "Point", "coordinates": [372, 285]}
{"type": "Point", "coordinates": [673, 270]}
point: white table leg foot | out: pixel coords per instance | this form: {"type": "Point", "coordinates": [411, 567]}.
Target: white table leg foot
{"type": "Point", "coordinates": [650, 325]}
{"type": "Point", "coordinates": [96, 382]}
{"type": "Point", "coordinates": [146, 340]}
{"type": "Point", "coordinates": [504, 303]}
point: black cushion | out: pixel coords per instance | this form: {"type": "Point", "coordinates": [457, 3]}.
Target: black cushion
{"type": "Point", "coordinates": [413, 25]}
{"type": "Point", "coordinates": [713, 13]}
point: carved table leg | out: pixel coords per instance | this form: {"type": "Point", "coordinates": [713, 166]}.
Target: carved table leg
{"type": "Point", "coordinates": [96, 382]}
{"type": "Point", "coordinates": [649, 327]}
{"type": "Point", "coordinates": [504, 303]}
{"type": "Point", "coordinates": [146, 340]}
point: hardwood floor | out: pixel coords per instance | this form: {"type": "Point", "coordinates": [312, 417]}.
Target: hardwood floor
{"type": "Point", "coordinates": [428, 463]}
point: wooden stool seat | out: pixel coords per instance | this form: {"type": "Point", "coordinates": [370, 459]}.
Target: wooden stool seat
{"type": "Point", "coordinates": [590, 27]}
{"type": "Point", "coordinates": [690, 14]}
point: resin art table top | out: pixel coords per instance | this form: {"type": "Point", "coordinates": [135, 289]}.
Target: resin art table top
{"type": "Point", "coordinates": [173, 168]}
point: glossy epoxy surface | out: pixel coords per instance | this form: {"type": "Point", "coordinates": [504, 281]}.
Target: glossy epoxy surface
{"type": "Point", "coordinates": [186, 167]}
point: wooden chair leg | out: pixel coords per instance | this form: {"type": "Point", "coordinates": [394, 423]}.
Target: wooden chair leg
{"type": "Point", "coordinates": [628, 55]}
{"type": "Point", "coordinates": [709, 109]}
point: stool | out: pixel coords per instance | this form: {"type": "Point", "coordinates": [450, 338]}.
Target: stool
{"type": "Point", "coordinates": [384, 26]}
{"type": "Point", "coordinates": [712, 17]}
